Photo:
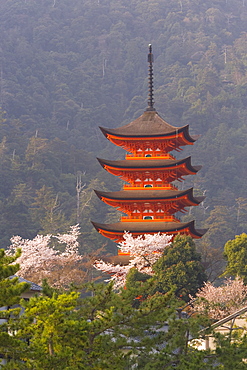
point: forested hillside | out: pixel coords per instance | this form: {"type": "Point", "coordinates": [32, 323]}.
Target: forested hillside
{"type": "Point", "coordinates": [68, 66]}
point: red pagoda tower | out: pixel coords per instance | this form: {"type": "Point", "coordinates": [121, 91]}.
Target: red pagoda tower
{"type": "Point", "coordinates": [149, 200]}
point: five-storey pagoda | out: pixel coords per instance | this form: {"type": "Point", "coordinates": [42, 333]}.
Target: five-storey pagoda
{"type": "Point", "coordinates": [149, 200]}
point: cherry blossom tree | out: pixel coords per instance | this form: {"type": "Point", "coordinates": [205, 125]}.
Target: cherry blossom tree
{"type": "Point", "coordinates": [221, 301]}
{"type": "Point", "coordinates": [52, 257]}
{"type": "Point", "coordinates": [143, 250]}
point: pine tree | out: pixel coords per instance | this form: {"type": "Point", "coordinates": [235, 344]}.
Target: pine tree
{"type": "Point", "coordinates": [10, 292]}
{"type": "Point", "coordinates": [180, 268]}
{"type": "Point", "coordinates": [236, 253]}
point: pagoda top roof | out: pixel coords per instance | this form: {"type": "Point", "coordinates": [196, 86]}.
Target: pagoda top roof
{"type": "Point", "coordinates": [149, 124]}
{"type": "Point", "coordinates": [149, 194]}
{"type": "Point", "coordinates": [148, 163]}
{"type": "Point", "coordinates": [150, 227]}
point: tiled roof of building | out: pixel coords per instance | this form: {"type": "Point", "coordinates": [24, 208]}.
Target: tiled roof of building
{"type": "Point", "coordinates": [149, 163]}
{"type": "Point", "coordinates": [149, 227]}
{"type": "Point", "coordinates": [149, 194]}
{"type": "Point", "coordinates": [33, 286]}
{"type": "Point", "coordinates": [149, 124]}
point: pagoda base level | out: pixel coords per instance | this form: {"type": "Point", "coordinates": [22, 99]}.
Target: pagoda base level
{"type": "Point", "coordinates": [116, 231]}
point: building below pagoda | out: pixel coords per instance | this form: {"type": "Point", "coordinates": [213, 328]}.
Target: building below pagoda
{"type": "Point", "coordinates": [149, 199]}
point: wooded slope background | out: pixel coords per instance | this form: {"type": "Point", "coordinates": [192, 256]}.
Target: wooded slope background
{"type": "Point", "coordinates": [69, 66]}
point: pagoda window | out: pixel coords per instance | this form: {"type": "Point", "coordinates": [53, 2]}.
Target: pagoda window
{"type": "Point", "coordinates": [148, 217]}
{"type": "Point", "coordinates": [148, 155]}
{"type": "Point", "coordinates": [148, 186]}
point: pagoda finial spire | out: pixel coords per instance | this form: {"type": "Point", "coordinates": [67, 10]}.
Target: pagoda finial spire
{"type": "Point", "coordinates": [150, 82]}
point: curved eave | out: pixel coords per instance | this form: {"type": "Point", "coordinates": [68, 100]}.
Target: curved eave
{"type": "Point", "coordinates": [199, 199]}
{"type": "Point", "coordinates": [149, 227]}
{"type": "Point", "coordinates": [151, 164]}
{"type": "Point", "coordinates": [148, 125]}
{"type": "Point", "coordinates": [162, 136]}
{"type": "Point", "coordinates": [149, 195]}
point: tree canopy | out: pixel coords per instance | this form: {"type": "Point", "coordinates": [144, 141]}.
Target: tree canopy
{"type": "Point", "coordinates": [180, 268]}
{"type": "Point", "coordinates": [236, 253]}
{"type": "Point", "coordinates": [69, 66]}
{"type": "Point", "coordinates": [10, 296]}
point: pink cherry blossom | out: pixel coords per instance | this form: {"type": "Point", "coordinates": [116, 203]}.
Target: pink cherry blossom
{"type": "Point", "coordinates": [223, 300]}
{"type": "Point", "coordinates": [41, 258]}
{"type": "Point", "coordinates": [143, 250]}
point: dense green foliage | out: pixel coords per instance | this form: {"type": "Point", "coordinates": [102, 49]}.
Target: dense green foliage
{"type": "Point", "coordinates": [136, 328]}
{"type": "Point", "coordinates": [180, 268]}
{"type": "Point", "coordinates": [236, 253]}
{"type": "Point", "coordinates": [106, 330]}
{"type": "Point", "coordinates": [68, 66]}
{"type": "Point", "coordinates": [10, 292]}
{"type": "Point", "coordinates": [10, 289]}
{"type": "Point", "coordinates": [98, 332]}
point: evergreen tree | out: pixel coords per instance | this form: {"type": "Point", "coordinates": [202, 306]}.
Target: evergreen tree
{"type": "Point", "coordinates": [180, 268]}
{"type": "Point", "coordinates": [103, 331]}
{"type": "Point", "coordinates": [236, 253]}
{"type": "Point", "coordinates": [10, 292]}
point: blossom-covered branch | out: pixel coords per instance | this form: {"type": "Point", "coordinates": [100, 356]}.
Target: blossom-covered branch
{"type": "Point", "coordinates": [143, 251]}
{"type": "Point", "coordinates": [54, 257]}
{"type": "Point", "coordinates": [221, 301]}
